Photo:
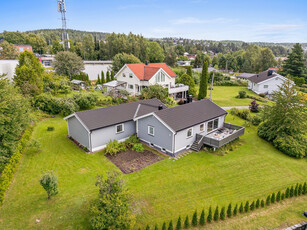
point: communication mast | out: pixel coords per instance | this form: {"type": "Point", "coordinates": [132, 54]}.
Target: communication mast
{"type": "Point", "coordinates": [65, 38]}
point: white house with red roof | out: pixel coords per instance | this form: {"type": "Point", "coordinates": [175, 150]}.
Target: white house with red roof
{"type": "Point", "coordinates": [135, 77]}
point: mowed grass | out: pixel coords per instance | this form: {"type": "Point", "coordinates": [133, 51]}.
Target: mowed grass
{"type": "Point", "coordinates": [161, 192]}
{"type": "Point", "coordinates": [226, 96]}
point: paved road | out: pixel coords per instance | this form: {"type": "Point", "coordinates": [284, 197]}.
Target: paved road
{"type": "Point", "coordinates": [238, 107]}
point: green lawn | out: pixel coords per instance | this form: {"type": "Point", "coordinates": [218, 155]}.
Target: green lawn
{"type": "Point", "coordinates": [226, 96]}
{"type": "Point", "coordinates": [161, 191]}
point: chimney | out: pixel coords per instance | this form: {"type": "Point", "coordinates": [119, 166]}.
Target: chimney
{"type": "Point", "coordinates": [270, 72]}
{"type": "Point", "coordinates": [160, 107]}
{"type": "Point", "coordinates": [146, 63]}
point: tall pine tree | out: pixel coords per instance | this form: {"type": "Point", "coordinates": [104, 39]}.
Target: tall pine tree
{"type": "Point", "coordinates": [203, 82]}
{"type": "Point", "coordinates": [108, 77]}
{"type": "Point", "coordinates": [112, 76]}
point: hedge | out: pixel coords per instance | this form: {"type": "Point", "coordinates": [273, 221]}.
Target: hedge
{"type": "Point", "coordinates": [10, 168]}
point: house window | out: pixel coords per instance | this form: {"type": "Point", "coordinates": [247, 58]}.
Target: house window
{"type": "Point", "coordinates": [189, 133]}
{"type": "Point", "coordinates": [151, 130]}
{"type": "Point", "coordinates": [265, 86]}
{"type": "Point", "coordinates": [210, 126]}
{"type": "Point", "coordinates": [216, 123]}
{"type": "Point", "coordinates": [120, 128]}
{"type": "Point", "coordinates": [162, 77]}
{"type": "Point", "coordinates": [130, 86]}
{"type": "Point", "coordinates": [202, 127]}
{"type": "Point", "coordinates": [124, 75]}
{"type": "Point", "coordinates": [158, 78]}
{"type": "Point", "coordinates": [130, 75]}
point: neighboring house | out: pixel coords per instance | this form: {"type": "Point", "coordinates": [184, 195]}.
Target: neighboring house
{"type": "Point", "coordinates": [93, 68]}
{"type": "Point", "coordinates": [245, 76]}
{"type": "Point", "coordinates": [210, 69]}
{"type": "Point", "coordinates": [139, 76]}
{"type": "Point", "coordinates": [184, 63]}
{"type": "Point", "coordinates": [8, 67]}
{"type": "Point", "coordinates": [266, 82]}
{"type": "Point", "coordinates": [170, 130]}
{"type": "Point", "coordinates": [23, 48]}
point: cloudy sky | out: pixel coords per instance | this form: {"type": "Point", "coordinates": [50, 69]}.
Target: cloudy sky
{"type": "Point", "coordinates": [247, 20]}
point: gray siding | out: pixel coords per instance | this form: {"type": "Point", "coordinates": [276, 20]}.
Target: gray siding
{"type": "Point", "coordinates": [163, 136]}
{"type": "Point", "coordinates": [181, 140]}
{"type": "Point", "coordinates": [101, 137]}
{"type": "Point", "coordinates": [77, 131]}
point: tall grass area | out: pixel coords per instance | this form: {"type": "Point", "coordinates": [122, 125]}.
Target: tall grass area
{"type": "Point", "coordinates": [161, 191]}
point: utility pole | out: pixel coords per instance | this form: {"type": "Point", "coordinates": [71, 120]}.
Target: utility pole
{"type": "Point", "coordinates": [211, 85]}
{"type": "Point", "coordinates": [65, 38]}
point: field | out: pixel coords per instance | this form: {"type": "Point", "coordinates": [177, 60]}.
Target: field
{"type": "Point", "coordinates": [161, 191]}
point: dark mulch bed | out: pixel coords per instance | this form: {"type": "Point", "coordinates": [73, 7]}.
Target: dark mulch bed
{"type": "Point", "coordinates": [132, 161]}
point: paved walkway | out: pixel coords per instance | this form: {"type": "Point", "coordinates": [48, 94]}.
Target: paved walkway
{"type": "Point", "coordinates": [237, 107]}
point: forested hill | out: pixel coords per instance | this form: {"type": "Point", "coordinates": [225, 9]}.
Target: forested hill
{"type": "Point", "coordinates": [74, 35]}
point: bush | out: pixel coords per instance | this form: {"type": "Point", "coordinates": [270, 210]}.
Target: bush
{"type": "Point", "coordinates": [131, 141]}
{"type": "Point", "coordinates": [85, 100]}
{"type": "Point", "coordinates": [164, 226]}
{"type": "Point", "coordinates": [273, 198]}
{"type": "Point", "coordinates": [50, 128]}
{"type": "Point", "coordinates": [268, 200]}
{"type": "Point", "coordinates": [262, 203]}
{"type": "Point", "coordinates": [304, 191]}
{"type": "Point", "coordinates": [69, 106]}
{"type": "Point", "coordinates": [170, 225]}
{"type": "Point", "coordinates": [291, 191]}
{"type": "Point", "coordinates": [49, 181]}
{"type": "Point", "coordinates": [209, 217]}
{"type": "Point", "coordinates": [278, 196]}
{"type": "Point", "coordinates": [296, 147]}
{"type": "Point", "coordinates": [114, 147]}
{"type": "Point", "coordinates": [246, 207]}
{"type": "Point", "coordinates": [287, 193]}
{"type": "Point", "coordinates": [244, 114]}
{"type": "Point", "coordinates": [216, 214]}
{"type": "Point", "coordinates": [252, 206]}
{"type": "Point", "coordinates": [283, 196]}
{"type": "Point", "coordinates": [47, 103]}
{"type": "Point", "coordinates": [242, 94]}
{"type": "Point", "coordinates": [241, 208]}
{"type": "Point", "coordinates": [186, 222]}
{"type": "Point", "coordinates": [202, 219]}
{"type": "Point", "coordinates": [138, 148]}
{"type": "Point", "coordinates": [234, 111]}
{"type": "Point", "coordinates": [254, 107]}
{"type": "Point", "coordinates": [147, 227]}
{"type": "Point", "coordinates": [300, 189]}
{"type": "Point", "coordinates": [194, 219]}
{"type": "Point", "coordinates": [178, 225]}
{"type": "Point", "coordinates": [222, 214]}
{"type": "Point", "coordinates": [229, 211]}
{"type": "Point", "coordinates": [256, 120]}
{"type": "Point", "coordinates": [262, 95]}
{"type": "Point", "coordinates": [258, 203]}
{"type": "Point", "coordinates": [296, 190]}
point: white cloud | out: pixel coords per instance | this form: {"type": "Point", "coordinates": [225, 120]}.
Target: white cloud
{"type": "Point", "coordinates": [192, 20]}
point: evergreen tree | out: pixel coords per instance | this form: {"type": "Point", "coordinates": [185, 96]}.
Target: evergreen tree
{"type": "Point", "coordinates": [164, 226]}
{"type": "Point", "coordinates": [112, 76]}
{"type": "Point", "coordinates": [188, 80]}
{"type": "Point", "coordinates": [268, 200]}
{"type": "Point", "coordinates": [194, 218]}
{"type": "Point", "coordinates": [202, 219]}
{"type": "Point", "coordinates": [178, 225]}
{"type": "Point", "coordinates": [156, 227]}
{"type": "Point", "coordinates": [186, 222]}
{"type": "Point", "coordinates": [229, 211]}
{"type": "Point", "coordinates": [283, 196]}
{"type": "Point", "coordinates": [246, 207]}
{"type": "Point", "coordinates": [209, 217]}
{"type": "Point", "coordinates": [203, 85]}
{"type": "Point", "coordinates": [258, 203]}
{"type": "Point", "coordinates": [170, 225]}
{"type": "Point", "coordinates": [108, 77]}
{"type": "Point", "coordinates": [288, 193]}
{"type": "Point", "coordinates": [291, 191]}
{"type": "Point", "coordinates": [98, 80]}
{"type": "Point", "coordinates": [300, 188]}
{"type": "Point", "coordinates": [304, 191]}
{"type": "Point", "coordinates": [278, 196]}
{"type": "Point", "coordinates": [295, 64]}
{"type": "Point", "coordinates": [147, 227]}
{"type": "Point", "coordinates": [252, 207]}
{"type": "Point", "coordinates": [216, 213]}
{"type": "Point", "coordinates": [273, 198]}
{"type": "Point", "coordinates": [296, 190]}
{"type": "Point", "coordinates": [189, 71]}
{"type": "Point", "coordinates": [102, 81]}
{"type": "Point", "coordinates": [262, 203]}
{"type": "Point", "coordinates": [241, 208]}
{"type": "Point", "coordinates": [222, 214]}
{"type": "Point", "coordinates": [235, 210]}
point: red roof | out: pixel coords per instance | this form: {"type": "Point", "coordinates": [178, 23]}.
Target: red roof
{"type": "Point", "coordinates": [145, 72]}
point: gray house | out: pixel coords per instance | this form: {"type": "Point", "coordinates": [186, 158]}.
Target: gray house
{"type": "Point", "coordinates": [170, 130]}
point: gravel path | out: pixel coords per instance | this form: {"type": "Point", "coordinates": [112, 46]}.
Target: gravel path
{"type": "Point", "coordinates": [238, 107]}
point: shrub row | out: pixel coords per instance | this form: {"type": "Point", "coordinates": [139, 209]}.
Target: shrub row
{"type": "Point", "coordinates": [10, 168]}
{"type": "Point", "coordinates": [230, 83]}
{"type": "Point", "coordinates": [245, 115]}
{"type": "Point", "coordinates": [223, 213]}
{"type": "Point", "coordinates": [114, 147]}
{"type": "Point", "coordinates": [243, 94]}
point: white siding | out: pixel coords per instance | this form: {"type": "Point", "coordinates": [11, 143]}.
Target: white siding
{"type": "Point", "coordinates": [93, 68]}
{"type": "Point", "coordinates": [169, 81]}
{"type": "Point", "coordinates": [135, 81]}
{"type": "Point", "coordinates": [8, 67]}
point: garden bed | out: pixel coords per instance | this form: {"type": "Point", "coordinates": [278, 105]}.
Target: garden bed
{"type": "Point", "coordinates": [131, 161]}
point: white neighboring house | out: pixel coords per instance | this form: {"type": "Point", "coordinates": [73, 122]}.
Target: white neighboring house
{"type": "Point", "coordinates": [266, 82]}
{"type": "Point", "coordinates": [8, 67]}
{"type": "Point", "coordinates": [139, 76]}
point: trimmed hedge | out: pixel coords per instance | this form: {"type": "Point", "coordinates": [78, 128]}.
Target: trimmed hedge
{"type": "Point", "coordinates": [10, 168]}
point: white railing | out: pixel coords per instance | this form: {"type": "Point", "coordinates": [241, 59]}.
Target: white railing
{"type": "Point", "coordinates": [178, 89]}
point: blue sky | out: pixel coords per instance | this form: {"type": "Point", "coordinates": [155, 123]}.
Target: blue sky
{"type": "Point", "coordinates": [247, 20]}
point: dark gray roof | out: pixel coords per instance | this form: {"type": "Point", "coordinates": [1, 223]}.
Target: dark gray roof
{"type": "Point", "coordinates": [262, 77]}
{"type": "Point", "coordinates": [103, 117]}
{"type": "Point", "coordinates": [245, 75]}
{"type": "Point", "coordinates": [188, 115]}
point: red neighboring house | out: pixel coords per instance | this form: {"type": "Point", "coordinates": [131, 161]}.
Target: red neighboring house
{"type": "Point", "coordinates": [23, 48]}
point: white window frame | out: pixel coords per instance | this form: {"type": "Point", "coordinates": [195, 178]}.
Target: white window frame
{"type": "Point", "coordinates": [123, 128]}
{"type": "Point", "coordinates": [191, 133]}
{"type": "Point", "coordinates": [162, 77]}
{"type": "Point", "coordinates": [124, 75]}
{"type": "Point", "coordinates": [153, 129]}
{"type": "Point", "coordinates": [218, 121]}
{"type": "Point", "coordinates": [130, 87]}
{"type": "Point", "coordinates": [203, 127]}
{"type": "Point", "coordinates": [130, 75]}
